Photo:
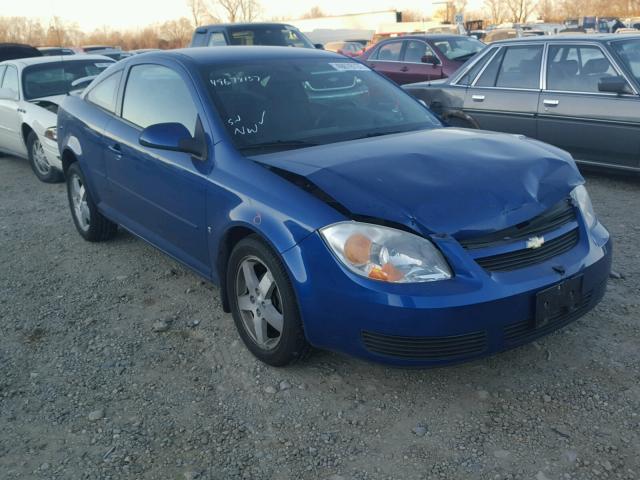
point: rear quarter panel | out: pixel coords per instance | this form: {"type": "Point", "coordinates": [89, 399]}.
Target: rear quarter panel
{"type": "Point", "coordinates": [442, 99]}
{"type": "Point", "coordinates": [80, 129]}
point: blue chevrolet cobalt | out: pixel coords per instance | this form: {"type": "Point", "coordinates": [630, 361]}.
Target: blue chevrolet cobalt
{"type": "Point", "coordinates": [333, 209]}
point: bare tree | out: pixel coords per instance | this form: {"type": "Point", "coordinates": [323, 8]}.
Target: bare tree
{"type": "Point", "coordinates": [548, 11]}
{"type": "Point", "coordinates": [240, 10]}
{"type": "Point", "coordinates": [177, 33]}
{"type": "Point", "coordinates": [198, 10]}
{"type": "Point", "coordinates": [315, 12]}
{"type": "Point", "coordinates": [520, 10]}
{"type": "Point", "coordinates": [412, 16]}
{"type": "Point", "coordinates": [459, 6]}
{"type": "Point", "coordinates": [497, 10]}
{"type": "Point", "coordinates": [250, 10]}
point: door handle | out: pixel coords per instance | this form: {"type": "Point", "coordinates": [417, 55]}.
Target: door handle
{"type": "Point", "coordinates": [477, 98]}
{"type": "Point", "coordinates": [404, 69]}
{"type": "Point", "coordinates": [116, 148]}
{"type": "Point", "coordinates": [551, 103]}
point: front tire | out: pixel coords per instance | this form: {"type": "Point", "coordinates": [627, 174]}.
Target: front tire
{"type": "Point", "coordinates": [90, 223]}
{"type": "Point", "coordinates": [263, 304]}
{"type": "Point", "coordinates": [39, 162]}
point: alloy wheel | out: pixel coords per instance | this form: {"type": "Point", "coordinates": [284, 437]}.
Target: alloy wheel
{"type": "Point", "coordinates": [79, 201]}
{"type": "Point", "coordinates": [40, 158]}
{"type": "Point", "coordinates": [259, 303]}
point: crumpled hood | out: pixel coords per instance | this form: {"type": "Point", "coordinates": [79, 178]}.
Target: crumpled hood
{"type": "Point", "coordinates": [446, 180]}
{"type": "Point", "coordinates": [50, 104]}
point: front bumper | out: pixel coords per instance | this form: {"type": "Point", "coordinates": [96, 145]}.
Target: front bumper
{"type": "Point", "coordinates": [476, 313]}
{"type": "Point", "coordinates": [53, 154]}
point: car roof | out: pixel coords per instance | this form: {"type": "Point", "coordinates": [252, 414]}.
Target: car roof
{"type": "Point", "coordinates": [425, 36]}
{"type": "Point", "coordinates": [207, 55]}
{"type": "Point", "coordinates": [243, 25]}
{"type": "Point", "coordinates": [54, 59]}
{"type": "Point", "coordinates": [593, 37]}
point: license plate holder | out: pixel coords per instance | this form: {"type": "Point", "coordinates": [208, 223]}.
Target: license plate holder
{"type": "Point", "coordinates": [561, 299]}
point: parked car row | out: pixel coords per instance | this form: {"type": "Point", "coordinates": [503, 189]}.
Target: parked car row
{"type": "Point", "coordinates": [579, 93]}
{"type": "Point", "coordinates": [331, 206]}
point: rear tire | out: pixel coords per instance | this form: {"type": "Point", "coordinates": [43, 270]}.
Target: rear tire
{"type": "Point", "coordinates": [39, 162]}
{"type": "Point", "coordinates": [263, 304]}
{"type": "Point", "coordinates": [90, 223]}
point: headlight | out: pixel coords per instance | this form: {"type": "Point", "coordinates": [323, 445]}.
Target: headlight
{"type": "Point", "coordinates": [385, 254]}
{"type": "Point", "coordinates": [51, 133]}
{"type": "Point", "coordinates": [582, 199]}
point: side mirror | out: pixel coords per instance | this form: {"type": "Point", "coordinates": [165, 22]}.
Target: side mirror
{"type": "Point", "coordinates": [430, 59]}
{"type": "Point", "coordinates": [319, 46]}
{"type": "Point", "coordinates": [615, 84]}
{"type": "Point", "coordinates": [174, 137]}
{"type": "Point", "coordinates": [8, 94]}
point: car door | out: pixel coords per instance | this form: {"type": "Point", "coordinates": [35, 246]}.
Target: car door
{"type": "Point", "coordinates": [10, 114]}
{"type": "Point", "coordinates": [159, 194]}
{"type": "Point", "coordinates": [386, 59]}
{"type": "Point", "coordinates": [504, 96]}
{"type": "Point", "coordinates": [594, 126]}
{"type": "Point", "coordinates": [413, 68]}
{"type": "Point", "coordinates": [102, 99]}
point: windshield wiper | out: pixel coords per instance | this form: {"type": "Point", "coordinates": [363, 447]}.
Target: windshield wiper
{"type": "Point", "coordinates": [279, 145]}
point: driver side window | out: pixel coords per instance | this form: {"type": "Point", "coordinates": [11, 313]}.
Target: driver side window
{"type": "Point", "coordinates": [157, 94]}
{"type": "Point", "coordinates": [415, 50]}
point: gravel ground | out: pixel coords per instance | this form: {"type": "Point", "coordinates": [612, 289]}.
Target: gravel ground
{"type": "Point", "coordinates": [116, 362]}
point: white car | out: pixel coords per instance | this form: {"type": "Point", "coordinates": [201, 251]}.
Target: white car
{"type": "Point", "coordinates": [30, 91]}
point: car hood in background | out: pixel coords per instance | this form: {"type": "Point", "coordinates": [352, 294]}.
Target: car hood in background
{"type": "Point", "coordinates": [446, 180]}
{"type": "Point", "coordinates": [49, 103]}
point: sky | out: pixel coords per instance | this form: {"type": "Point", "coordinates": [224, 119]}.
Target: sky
{"type": "Point", "coordinates": [131, 14]}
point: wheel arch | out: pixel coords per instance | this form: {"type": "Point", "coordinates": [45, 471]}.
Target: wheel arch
{"type": "Point", "coordinates": [460, 115]}
{"type": "Point", "coordinates": [25, 130]}
{"type": "Point", "coordinates": [68, 157]}
{"type": "Point", "coordinates": [228, 240]}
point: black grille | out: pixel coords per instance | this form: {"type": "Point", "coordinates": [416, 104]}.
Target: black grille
{"type": "Point", "coordinates": [554, 218]}
{"type": "Point", "coordinates": [523, 332]}
{"type": "Point", "coordinates": [530, 256]}
{"type": "Point", "coordinates": [435, 348]}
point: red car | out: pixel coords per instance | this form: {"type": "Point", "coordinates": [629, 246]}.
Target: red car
{"type": "Point", "coordinates": [416, 58]}
{"type": "Point", "coordinates": [348, 49]}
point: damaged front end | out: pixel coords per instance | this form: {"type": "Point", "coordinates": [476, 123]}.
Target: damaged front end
{"type": "Point", "coordinates": [47, 105]}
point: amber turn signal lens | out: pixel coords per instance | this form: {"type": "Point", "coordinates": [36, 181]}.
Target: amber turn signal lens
{"type": "Point", "coordinates": [393, 274]}
{"type": "Point", "coordinates": [357, 249]}
{"type": "Point", "coordinates": [376, 273]}
{"type": "Point", "coordinates": [388, 273]}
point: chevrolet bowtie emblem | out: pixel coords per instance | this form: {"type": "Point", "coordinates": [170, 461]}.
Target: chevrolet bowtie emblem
{"type": "Point", "coordinates": [535, 242]}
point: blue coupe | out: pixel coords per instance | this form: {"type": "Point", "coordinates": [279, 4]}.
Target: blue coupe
{"type": "Point", "coordinates": [333, 209]}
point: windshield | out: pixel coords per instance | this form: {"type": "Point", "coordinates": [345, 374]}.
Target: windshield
{"type": "Point", "coordinates": [276, 105]}
{"type": "Point", "coordinates": [56, 78]}
{"type": "Point", "coordinates": [629, 53]}
{"type": "Point", "coordinates": [280, 36]}
{"type": "Point", "coordinates": [459, 48]}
